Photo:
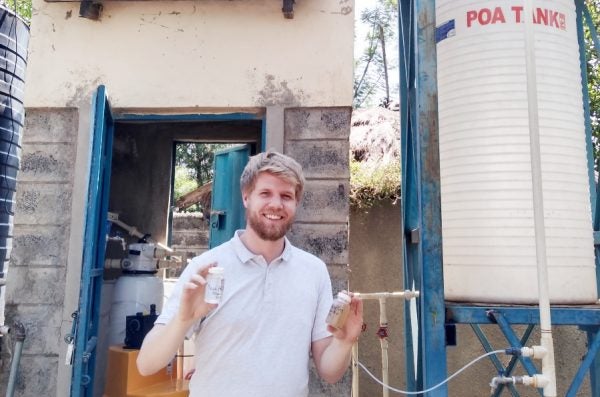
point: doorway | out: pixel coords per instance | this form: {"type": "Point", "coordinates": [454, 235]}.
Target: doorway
{"type": "Point", "coordinates": [141, 193]}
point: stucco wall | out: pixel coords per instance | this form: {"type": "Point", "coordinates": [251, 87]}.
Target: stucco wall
{"type": "Point", "coordinates": [209, 53]}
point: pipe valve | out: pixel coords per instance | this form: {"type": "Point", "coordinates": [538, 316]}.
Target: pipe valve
{"type": "Point", "coordinates": [536, 352]}
{"type": "Point", "coordinates": [537, 381]}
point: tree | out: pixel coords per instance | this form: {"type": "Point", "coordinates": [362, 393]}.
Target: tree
{"type": "Point", "coordinates": [197, 158]}
{"type": "Point", "coordinates": [593, 71]}
{"type": "Point", "coordinates": [373, 67]}
{"type": "Point", "coordinates": [21, 7]}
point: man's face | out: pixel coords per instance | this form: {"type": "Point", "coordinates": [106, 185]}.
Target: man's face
{"type": "Point", "coordinates": [270, 206]}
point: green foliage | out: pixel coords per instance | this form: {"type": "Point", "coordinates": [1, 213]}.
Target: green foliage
{"type": "Point", "coordinates": [593, 75]}
{"type": "Point", "coordinates": [21, 7]}
{"type": "Point", "coordinates": [198, 159]}
{"type": "Point", "coordinates": [370, 183]}
{"type": "Point", "coordinates": [184, 181]}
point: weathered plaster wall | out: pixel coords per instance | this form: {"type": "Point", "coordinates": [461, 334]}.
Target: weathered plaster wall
{"type": "Point", "coordinates": [211, 53]}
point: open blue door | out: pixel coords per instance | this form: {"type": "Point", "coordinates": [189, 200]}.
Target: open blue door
{"type": "Point", "coordinates": [85, 331]}
{"type": "Point", "coordinates": [227, 209]}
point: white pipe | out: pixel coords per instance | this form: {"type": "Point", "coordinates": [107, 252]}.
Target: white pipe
{"type": "Point", "coordinates": [408, 294]}
{"type": "Point", "coordinates": [383, 324]}
{"type": "Point", "coordinates": [548, 367]}
{"type": "Point", "coordinates": [355, 370]}
{"type": "Point", "coordinates": [132, 230]}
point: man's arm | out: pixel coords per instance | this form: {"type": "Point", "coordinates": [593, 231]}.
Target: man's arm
{"type": "Point", "coordinates": [160, 346]}
{"type": "Point", "coordinates": [161, 343]}
{"type": "Point", "coordinates": [332, 355]}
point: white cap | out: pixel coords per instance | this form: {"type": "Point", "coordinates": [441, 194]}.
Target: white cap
{"type": "Point", "coordinates": [344, 297]}
{"type": "Point", "coordinates": [216, 270]}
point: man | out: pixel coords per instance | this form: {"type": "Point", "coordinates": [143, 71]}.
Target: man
{"type": "Point", "coordinates": [258, 340]}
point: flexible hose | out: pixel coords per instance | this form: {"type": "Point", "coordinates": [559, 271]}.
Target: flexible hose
{"type": "Point", "coordinates": [433, 387]}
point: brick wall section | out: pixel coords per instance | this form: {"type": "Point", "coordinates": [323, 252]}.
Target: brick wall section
{"type": "Point", "coordinates": [189, 237]}
{"type": "Point", "coordinates": [318, 139]}
{"type": "Point", "coordinates": [37, 271]}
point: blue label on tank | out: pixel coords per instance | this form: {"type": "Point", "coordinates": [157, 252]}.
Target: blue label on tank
{"type": "Point", "coordinates": [444, 31]}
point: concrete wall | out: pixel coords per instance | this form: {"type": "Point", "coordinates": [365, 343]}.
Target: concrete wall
{"type": "Point", "coordinates": [189, 234]}
{"type": "Point", "coordinates": [38, 269]}
{"type": "Point", "coordinates": [318, 139]}
{"type": "Point", "coordinates": [175, 57]}
{"type": "Point", "coordinates": [376, 263]}
{"type": "Point", "coordinates": [178, 54]}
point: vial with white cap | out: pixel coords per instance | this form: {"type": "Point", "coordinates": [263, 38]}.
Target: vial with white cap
{"type": "Point", "coordinates": [339, 310]}
{"type": "Point", "coordinates": [215, 282]}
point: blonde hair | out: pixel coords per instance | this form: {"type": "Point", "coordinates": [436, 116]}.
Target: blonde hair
{"type": "Point", "coordinates": [276, 164]}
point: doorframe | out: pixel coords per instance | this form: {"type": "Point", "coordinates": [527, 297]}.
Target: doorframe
{"type": "Point", "coordinates": [156, 118]}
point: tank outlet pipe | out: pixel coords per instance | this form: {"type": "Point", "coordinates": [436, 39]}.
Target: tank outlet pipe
{"type": "Point", "coordinates": [382, 333]}
{"type": "Point", "coordinates": [407, 295]}
{"type": "Point", "coordinates": [19, 335]}
{"type": "Point", "coordinates": [537, 381]}
{"type": "Point", "coordinates": [548, 366]}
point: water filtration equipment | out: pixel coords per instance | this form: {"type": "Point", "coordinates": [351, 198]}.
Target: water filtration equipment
{"type": "Point", "coordinates": [485, 167]}
{"type": "Point", "coordinates": [136, 290]}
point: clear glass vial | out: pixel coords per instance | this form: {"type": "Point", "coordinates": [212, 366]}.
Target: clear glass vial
{"type": "Point", "coordinates": [215, 282]}
{"type": "Point", "coordinates": [339, 310]}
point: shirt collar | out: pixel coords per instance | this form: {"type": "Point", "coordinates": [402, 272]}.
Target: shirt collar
{"type": "Point", "coordinates": [245, 255]}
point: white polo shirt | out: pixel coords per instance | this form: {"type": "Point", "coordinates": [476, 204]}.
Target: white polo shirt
{"type": "Point", "coordinates": [257, 342]}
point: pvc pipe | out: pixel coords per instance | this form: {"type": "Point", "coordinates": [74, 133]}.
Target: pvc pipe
{"type": "Point", "coordinates": [548, 367]}
{"type": "Point", "coordinates": [19, 329]}
{"type": "Point", "coordinates": [132, 230]}
{"type": "Point", "coordinates": [408, 294]}
{"type": "Point", "coordinates": [384, 344]}
{"type": "Point", "coordinates": [537, 381]}
{"type": "Point", "coordinates": [355, 370]}
{"type": "Point", "coordinates": [383, 338]}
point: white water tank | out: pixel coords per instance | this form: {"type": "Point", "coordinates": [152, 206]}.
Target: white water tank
{"type": "Point", "coordinates": [133, 293]}
{"type": "Point", "coordinates": [486, 189]}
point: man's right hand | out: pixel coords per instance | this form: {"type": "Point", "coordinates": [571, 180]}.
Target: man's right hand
{"type": "Point", "coordinates": [162, 342]}
{"type": "Point", "coordinates": [192, 306]}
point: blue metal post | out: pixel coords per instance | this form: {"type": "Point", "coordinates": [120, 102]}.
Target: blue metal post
{"type": "Point", "coordinates": [583, 13]}
{"type": "Point", "coordinates": [432, 317]}
{"type": "Point", "coordinates": [410, 213]}
{"type": "Point", "coordinates": [588, 363]}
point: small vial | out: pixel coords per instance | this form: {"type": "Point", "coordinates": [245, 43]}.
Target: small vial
{"type": "Point", "coordinates": [339, 310]}
{"type": "Point", "coordinates": [215, 282]}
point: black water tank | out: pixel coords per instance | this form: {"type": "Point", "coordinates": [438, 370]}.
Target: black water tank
{"type": "Point", "coordinates": [14, 38]}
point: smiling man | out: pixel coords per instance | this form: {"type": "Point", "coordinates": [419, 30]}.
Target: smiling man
{"type": "Point", "coordinates": [258, 340]}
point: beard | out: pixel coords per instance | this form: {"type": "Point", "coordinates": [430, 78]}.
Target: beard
{"type": "Point", "coordinates": [267, 230]}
